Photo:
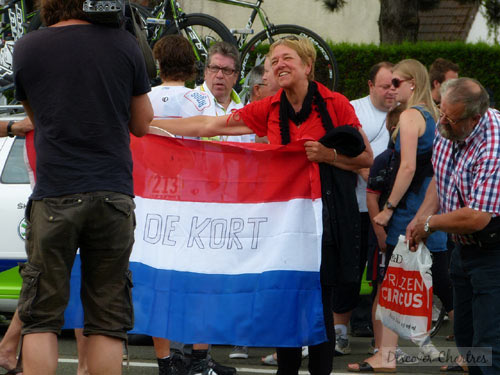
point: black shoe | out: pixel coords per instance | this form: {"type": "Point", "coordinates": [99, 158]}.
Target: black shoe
{"type": "Point", "coordinates": [362, 331]}
{"type": "Point", "coordinates": [173, 365]}
{"type": "Point", "coordinates": [208, 366]}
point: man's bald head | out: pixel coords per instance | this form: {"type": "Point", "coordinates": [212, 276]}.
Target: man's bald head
{"type": "Point", "coordinates": [469, 92]}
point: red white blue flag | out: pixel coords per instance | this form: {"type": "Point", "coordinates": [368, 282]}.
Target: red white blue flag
{"type": "Point", "coordinates": [227, 244]}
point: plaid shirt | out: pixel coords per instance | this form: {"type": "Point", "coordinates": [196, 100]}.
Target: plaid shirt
{"type": "Point", "coordinates": [472, 167]}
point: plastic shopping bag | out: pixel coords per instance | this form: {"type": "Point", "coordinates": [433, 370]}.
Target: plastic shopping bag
{"type": "Point", "coordinates": [405, 298]}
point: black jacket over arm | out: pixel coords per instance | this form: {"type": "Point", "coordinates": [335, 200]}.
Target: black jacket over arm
{"type": "Point", "coordinates": [341, 242]}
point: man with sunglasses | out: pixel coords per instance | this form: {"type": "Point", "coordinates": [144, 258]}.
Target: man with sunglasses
{"type": "Point", "coordinates": [221, 75]}
{"type": "Point", "coordinates": [466, 191]}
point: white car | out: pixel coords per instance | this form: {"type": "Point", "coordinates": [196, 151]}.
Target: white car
{"type": "Point", "coordinates": [14, 192]}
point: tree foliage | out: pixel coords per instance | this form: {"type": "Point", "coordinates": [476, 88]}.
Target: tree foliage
{"type": "Point", "coordinates": [492, 10]}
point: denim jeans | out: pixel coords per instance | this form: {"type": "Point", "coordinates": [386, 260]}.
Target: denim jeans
{"type": "Point", "coordinates": [475, 275]}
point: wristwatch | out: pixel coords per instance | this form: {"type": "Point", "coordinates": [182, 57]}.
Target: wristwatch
{"type": "Point", "coordinates": [427, 227]}
{"type": "Point", "coordinates": [390, 206]}
{"type": "Point", "coordinates": [9, 129]}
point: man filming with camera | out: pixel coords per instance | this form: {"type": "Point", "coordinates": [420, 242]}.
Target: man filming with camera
{"type": "Point", "coordinates": [84, 86]}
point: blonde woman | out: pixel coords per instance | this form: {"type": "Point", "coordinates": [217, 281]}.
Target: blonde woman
{"type": "Point", "coordinates": [413, 139]}
{"type": "Point", "coordinates": [301, 109]}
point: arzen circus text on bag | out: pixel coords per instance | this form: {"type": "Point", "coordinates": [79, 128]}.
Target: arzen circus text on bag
{"type": "Point", "coordinates": [408, 289]}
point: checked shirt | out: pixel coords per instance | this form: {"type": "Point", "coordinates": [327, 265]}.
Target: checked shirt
{"type": "Point", "coordinates": [472, 167]}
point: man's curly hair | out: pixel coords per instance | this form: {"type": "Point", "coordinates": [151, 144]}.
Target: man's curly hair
{"type": "Point", "coordinates": [176, 58]}
{"type": "Point", "coordinates": [54, 11]}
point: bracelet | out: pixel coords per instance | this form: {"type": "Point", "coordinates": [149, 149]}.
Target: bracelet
{"type": "Point", "coordinates": [9, 129]}
{"type": "Point", "coordinates": [334, 156]}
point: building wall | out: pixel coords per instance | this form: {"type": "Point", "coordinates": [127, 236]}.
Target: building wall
{"type": "Point", "coordinates": [479, 29]}
{"type": "Point", "coordinates": [356, 23]}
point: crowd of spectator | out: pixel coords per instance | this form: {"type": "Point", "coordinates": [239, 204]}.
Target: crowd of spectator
{"type": "Point", "coordinates": [431, 132]}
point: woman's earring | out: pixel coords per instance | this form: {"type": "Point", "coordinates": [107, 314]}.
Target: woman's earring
{"type": "Point", "coordinates": [412, 88]}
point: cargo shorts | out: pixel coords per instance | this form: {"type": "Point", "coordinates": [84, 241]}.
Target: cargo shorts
{"type": "Point", "coordinates": [100, 224]}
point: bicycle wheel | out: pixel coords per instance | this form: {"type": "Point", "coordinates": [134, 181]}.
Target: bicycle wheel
{"type": "Point", "coordinates": [254, 53]}
{"type": "Point", "coordinates": [438, 315]}
{"type": "Point", "coordinates": [201, 30]}
{"type": "Point", "coordinates": [35, 22]}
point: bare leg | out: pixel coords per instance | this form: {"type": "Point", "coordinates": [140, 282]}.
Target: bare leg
{"type": "Point", "coordinates": [200, 346]}
{"type": "Point", "coordinates": [385, 357]}
{"type": "Point", "coordinates": [9, 343]}
{"type": "Point", "coordinates": [82, 347]}
{"type": "Point", "coordinates": [104, 355]}
{"type": "Point", "coordinates": [342, 319]}
{"type": "Point", "coordinates": [377, 324]}
{"type": "Point", "coordinates": [40, 353]}
{"type": "Point", "coordinates": [162, 347]}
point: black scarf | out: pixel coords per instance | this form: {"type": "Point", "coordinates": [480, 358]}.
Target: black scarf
{"type": "Point", "coordinates": [288, 113]}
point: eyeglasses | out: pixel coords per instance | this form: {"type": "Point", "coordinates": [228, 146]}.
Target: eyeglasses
{"type": "Point", "coordinates": [290, 37]}
{"type": "Point", "coordinates": [215, 69]}
{"type": "Point", "coordinates": [448, 119]}
{"type": "Point", "coordinates": [396, 82]}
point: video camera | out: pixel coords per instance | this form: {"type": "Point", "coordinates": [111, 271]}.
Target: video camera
{"type": "Point", "coordinates": [107, 12]}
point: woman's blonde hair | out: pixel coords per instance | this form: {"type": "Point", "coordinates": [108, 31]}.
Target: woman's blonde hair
{"type": "Point", "coordinates": [413, 69]}
{"type": "Point", "coordinates": [302, 46]}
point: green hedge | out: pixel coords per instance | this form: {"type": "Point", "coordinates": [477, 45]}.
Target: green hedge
{"type": "Point", "coordinates": [480, 61]}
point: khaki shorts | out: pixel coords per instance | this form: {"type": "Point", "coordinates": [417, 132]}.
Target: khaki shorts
{"type": "Point", "coordinates": [101, 225]}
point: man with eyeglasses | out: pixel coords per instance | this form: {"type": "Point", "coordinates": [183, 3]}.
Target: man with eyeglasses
{"type": "Point", "coordinates": [221, 75]}
{"type": "Point", "coordinates": [371, 111]}
{"type": "Point", "coordinates": [466, 192]}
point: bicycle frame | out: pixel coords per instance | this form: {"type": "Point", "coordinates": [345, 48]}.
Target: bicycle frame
{"type": "Point", "coordinates": [256, 10]}
{"type": "Point", "coordinates": [163, 13]}
{"type": "Point", "coordinates": [177, 15]}
{"type": "Point", "coordinates": [14, 25]}
{"type": "Point", "coordinates": [17, 19]}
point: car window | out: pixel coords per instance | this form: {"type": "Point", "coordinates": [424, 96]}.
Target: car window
{"type": "Point", "coordinates": [14, 171]}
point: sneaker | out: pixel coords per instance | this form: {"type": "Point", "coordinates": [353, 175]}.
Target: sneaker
{"type": "Point", "coordinates": [429, 351]}
{"type": "Point", "coordinates": [173, 365]}
{"type": "Point", "coordinates": [342, 346]}
{"type": "Point", "coordinates": [372, 349]}
{"type": "Point", "coordinates": [435, 313]}
{"type": "Point", "coordinates": [403, 358]}
{"type": "Point", "coordinates": [239, 352]}
{"type": "Point", "coordinates": [208, 366]}
{"type": "Point", "coordinates": [269, 360]}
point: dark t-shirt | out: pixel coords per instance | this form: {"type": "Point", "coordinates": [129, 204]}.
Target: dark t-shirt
{"type": "Point", "coordinates": [79, 81]}
{"type": "Point", "coordinates": [379, 179]}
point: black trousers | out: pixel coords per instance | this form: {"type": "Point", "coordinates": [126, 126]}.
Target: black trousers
{"type": "Point", "coordinates": [321, 355]}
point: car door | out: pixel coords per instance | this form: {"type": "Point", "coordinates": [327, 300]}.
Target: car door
{"type": "Point", "coordinates": [14, 192]}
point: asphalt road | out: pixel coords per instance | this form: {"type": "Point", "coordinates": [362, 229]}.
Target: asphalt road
{"type": "Point", "coordinates": [143, 362]}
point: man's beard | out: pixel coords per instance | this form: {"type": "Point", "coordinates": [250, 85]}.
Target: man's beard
{"type": "Point", "coordinates": [448, 133]}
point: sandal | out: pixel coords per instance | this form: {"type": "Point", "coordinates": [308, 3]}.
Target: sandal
{"type": "Point", "coordinates": [269, 360]}
{"type": "Point", "coordinates": [366, 367]}
{"type": "Point", "coordinates": [454, 368]}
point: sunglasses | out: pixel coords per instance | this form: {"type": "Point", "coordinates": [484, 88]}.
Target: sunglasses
{"type": "Point", "coordinates": [396, 82]}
